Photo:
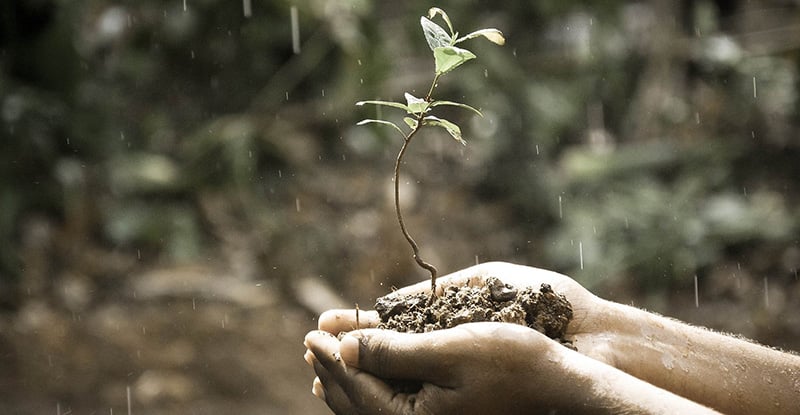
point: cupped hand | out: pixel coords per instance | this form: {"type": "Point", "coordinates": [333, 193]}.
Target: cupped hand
{"type": "Point", "coordinates": [474, 368]}
{"type": "Point", "coordinates": [588, 330]}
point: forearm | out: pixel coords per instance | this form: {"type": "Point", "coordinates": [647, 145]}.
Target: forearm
{"type": "Point", "coordinates": [729, 374]}
{"type": "Point", "coordinates": [607, 390]}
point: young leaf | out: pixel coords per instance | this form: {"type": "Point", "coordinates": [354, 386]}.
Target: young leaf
{"type": "Point", "coordinates": [416, 105]}
{"type": "Point", "coordinates": [434, 11]}
{"type": "Point", "coordinates": [411, 122]}
{"type": "Point", "coordinates": [455, 104]}
{"type": "Point", "coordinates": [434, 34]}
{"type": "Point", "coordinates": [385, 103]}
{"type": "Point", "coordinates": [450, 127]}
{"type": "Point", "coordinates": [382, 122]}
{"type": "Point", "coordinates": [450, 57]}
{"type": "Point", "coordinates": [494, 36]}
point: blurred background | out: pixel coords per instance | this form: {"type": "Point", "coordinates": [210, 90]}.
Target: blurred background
{"type": "Point", "coordinates": [183, 187]}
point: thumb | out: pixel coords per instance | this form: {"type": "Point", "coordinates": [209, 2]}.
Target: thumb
{"type": "Point", "coordinates": [402, 356]}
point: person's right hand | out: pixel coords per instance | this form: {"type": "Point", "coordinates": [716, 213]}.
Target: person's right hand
{"type": "Point", "coordinates": [588, 330]}
{"type": "Point", "coordinates": [473, 368]}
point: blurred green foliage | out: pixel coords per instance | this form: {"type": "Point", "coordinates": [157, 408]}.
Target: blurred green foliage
{"type": "Point", "coordinates": [658, 139]}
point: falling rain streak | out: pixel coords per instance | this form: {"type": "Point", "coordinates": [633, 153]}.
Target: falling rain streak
{"type": "Point", "coordinates": [247, 7]}
{"type": "Point", "coordinates": [295, 30]}
{"type": "Point", "coordinates": [696, 294]}
{"type": "Point", "coordinates": [580, 252]}
{"type": "Point", "coordinates": [755, 93]}
{"type": "Point", "coordinates": [766, 293]}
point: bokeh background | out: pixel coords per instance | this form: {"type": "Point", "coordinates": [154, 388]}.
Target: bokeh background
{"type": "Point", "coordinates": [183, 187]}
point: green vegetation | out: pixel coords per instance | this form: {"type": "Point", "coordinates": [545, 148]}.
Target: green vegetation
{"type": "Point", "coordinates": [446, 58]}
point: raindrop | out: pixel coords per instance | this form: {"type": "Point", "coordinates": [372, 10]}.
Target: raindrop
{"type": "Point", "coordinates": [297, 203]}
{"type": "Point", "coordinates": [247, 6]}
{"type": "Point", "coordinates": [361, 80]}
{"type": "Point", "coordinates": [323, 93]}
{"type": "Point", "coordinates": [580, 252]}
{"type": "Point", "coordinates": [560, 208]}
{"type": "Point", "coordinates": [755, 93]}
{"type": "Point", "coordinates": [696, 296]}
{"type": "Point", "coordinates": [359, 62]}
{"type": "Point", "coordinates": [194, 304]}
{"type": "Point", "coordinates": [128, 392]}
{"type": "Point", "coordinates": [476, 259]}
{"type": "Point", "coordinates": [537, 149]}
{"type": "Point", "coordinates": [295, 30]}
{"type": "Point", "coordinates": [184, 5]}
{"type": "Point", "coordinates": [697, 118]}
{"type": "Point", "coordinates": [287, 95]}
{"type": "Point", "coordinates": [485, 73]}
{"type": "Point", "coordinates": [192, 53]}
{"type": "Point", "coordinates": [280, 174]}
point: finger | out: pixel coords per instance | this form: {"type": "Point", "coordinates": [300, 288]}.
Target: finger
{"type": "Point", "coordinates": [348, 389]}
{"type": "Point", "coordinates": [317, 389]}
{"type": "Point", "coordinates": [427, 357]}
{"type": "Point", "coordinates": [329, 390]}
{"type": "Point", "coordinates": [337, 321]}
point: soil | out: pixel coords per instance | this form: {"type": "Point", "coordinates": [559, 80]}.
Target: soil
{"type": "Point", "coordinates": [545, 311]}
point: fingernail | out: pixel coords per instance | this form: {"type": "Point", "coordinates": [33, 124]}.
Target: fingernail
{"type": "Point", "coordinates": [309, 357]}
{"type": "Point", "coordinates": [349, 349]}
{"type": "Point", "coordinates": [317, 389]}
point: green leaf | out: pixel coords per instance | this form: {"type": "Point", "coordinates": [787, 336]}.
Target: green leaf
{"type": "Point", "coordinates": [434, 34]}
{"type": "Point", "coordinates": [455, 104]}
{"type": "Point", "coordinates": [385, 103]}
{"type": "Point", "coordinates": [382, 122]}
{"type": "Point", "coordinates": [494, 36]}
{"type": "Point", "coordinates": [416, 105]}
{"type": "Point", "coordinates": [433, 11]}
{"type": "Point", "coordinates": [450, 57]}
{"type": "Point", "coordinates": [411, 122]}
{"type": "Point", "coordinates": [450, 127]}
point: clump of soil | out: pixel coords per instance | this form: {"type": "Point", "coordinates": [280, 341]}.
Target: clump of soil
{"type": "Point", "coordinates": [545, 311]}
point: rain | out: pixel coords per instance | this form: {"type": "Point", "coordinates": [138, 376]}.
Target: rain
{"type": "Point", "coordinates": [185, 187]}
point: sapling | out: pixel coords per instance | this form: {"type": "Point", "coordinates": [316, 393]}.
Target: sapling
{"type": "Point", "coordinates": [447, 57]}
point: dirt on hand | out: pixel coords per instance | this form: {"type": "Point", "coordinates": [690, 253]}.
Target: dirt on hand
{"type": "Point", "coordinates": [545, 311]}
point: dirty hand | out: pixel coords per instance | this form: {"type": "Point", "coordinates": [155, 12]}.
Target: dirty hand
{"type": "Point", "coordinates": [587, 330]}
{"type": "Point", "coordinates": [474, 368]}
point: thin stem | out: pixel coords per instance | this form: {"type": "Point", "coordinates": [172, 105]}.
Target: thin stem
{"type": "Point", "coordinates": [414, 247]}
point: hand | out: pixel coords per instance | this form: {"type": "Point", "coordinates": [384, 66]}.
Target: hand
{"type": "Point", "coordinates": [484, 367]}
{"type": "Point", "coordinates": [588, 330]}
{"type": "Point", "coordinates": [475, 368]}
